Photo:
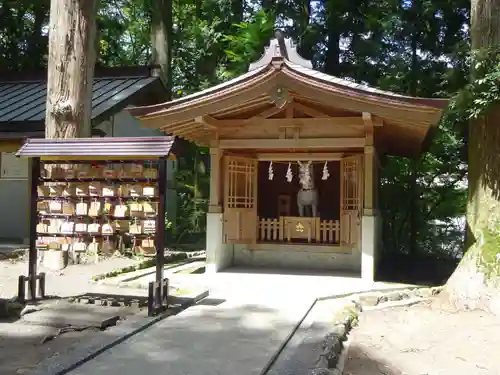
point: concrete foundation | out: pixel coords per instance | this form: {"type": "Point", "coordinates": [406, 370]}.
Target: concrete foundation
{"type": "Point", "coordinates": [219, 255]}
{"type": "Point", "coordinates": [286, 257]}
{"type": "Point", "coordinates": [368, 240]}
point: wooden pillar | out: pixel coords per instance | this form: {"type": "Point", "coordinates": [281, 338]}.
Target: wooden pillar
{"type": "Point", "coordinates": [33, 220]}
{"type": "Point", "coordinates": [369, 166]}
{"type": "Point", "coordinates": [160, 233]}
{"type": "Point", "coordinates": [215, 180]}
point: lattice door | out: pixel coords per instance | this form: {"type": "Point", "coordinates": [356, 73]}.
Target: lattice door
{"type": "Point", "coordinates": [351, 199]}
{"type": "Point", "coordinates": [240, 199]}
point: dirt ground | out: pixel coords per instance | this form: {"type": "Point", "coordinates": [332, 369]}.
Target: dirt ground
{"type": "Point", "coordinates": [70, 281]}
{"type": "Point", "coordinates": [21, 346]}
{"type": "Point", "coordinates": [424, 339]}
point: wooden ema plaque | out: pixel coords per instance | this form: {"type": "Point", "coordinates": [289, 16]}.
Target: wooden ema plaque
{"type": "Point", "coordinates": [300, 228]}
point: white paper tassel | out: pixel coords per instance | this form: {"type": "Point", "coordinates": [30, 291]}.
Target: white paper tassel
{"type": "Point", "coordinates": [289, 174]}
{"type": "Point", "coordinates": [270, 171]}
{"type": "Point", "coordinates": [326, 174]}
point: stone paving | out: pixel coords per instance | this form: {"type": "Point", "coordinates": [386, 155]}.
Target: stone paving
{"type": "Point", "coordinates": [301, 352]}
{"type": "Point", "coordinates": [259, 311]}
{"type": "Point", "coordinates": [204, 340]}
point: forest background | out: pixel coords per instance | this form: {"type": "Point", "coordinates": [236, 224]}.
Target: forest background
{"type": "Point", "coordinates": [418, 48]}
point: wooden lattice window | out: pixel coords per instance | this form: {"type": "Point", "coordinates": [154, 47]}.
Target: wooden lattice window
{"type": "Point", "coordinates": [352, 183]}
{"type": "Point", "coordinates": [240, 183]}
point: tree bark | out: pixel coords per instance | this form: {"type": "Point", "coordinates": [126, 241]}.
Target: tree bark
{"type": "Point", "coordinates": [476, 281]}
{"type": "Point", "coordinates": [72, 55]}
{"type": "Point", "coordinates": [161, 40]}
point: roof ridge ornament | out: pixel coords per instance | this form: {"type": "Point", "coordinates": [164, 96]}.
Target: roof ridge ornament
{"type": "Point", "coordinates": [280, 48]}
{"type": "Point", "coordinates": [280, 96]}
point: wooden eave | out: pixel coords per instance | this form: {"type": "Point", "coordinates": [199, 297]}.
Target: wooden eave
{"type": "Point", "coordinates": [409, 119]}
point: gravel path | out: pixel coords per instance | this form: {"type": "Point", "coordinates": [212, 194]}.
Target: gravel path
{"type": "Point", "coordinates": [424, 340]}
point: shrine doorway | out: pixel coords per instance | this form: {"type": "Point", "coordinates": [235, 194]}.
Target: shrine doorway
{"type": "Point", "coordinates": [279, 197]}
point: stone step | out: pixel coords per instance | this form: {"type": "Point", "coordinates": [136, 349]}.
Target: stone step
{"type": "Point", "coordinates": [63, 314]}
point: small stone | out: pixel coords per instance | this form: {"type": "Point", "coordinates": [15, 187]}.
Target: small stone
{"type": "Point", "coordinates": [320, 371]}
{"type": "Point", "coordinates": [29, 309]}
{"type": "Point", "coordinates": [369, 299]}
{"type": "Point", "coordinates": [394, 296]}
{"type": "Point", "coordinates": [332, 347]}
{"type": "Point", "coordinates": [352, 306]}
{"type": "Point", "coordinates": [408, 293]}
{"type": "Point", "coordinates": [322, 361]}
{"type": "Point", "coordinates": [424, 292]}
{"type": "Point", "coordinates": [437, 290]}
{"type": "Point", "coordinates": [382, 298]}
{"type": "Point", "coordinates": [338, 330]}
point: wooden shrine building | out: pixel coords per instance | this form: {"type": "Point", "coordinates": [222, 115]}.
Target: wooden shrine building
{"type": "Point", "coordinates": [294, 160]}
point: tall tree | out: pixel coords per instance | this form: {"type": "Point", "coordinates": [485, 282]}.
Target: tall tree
{"type": "Point", "coordinates": [72, 56]}
{"type": "Point", "coordinates": [476, 281]}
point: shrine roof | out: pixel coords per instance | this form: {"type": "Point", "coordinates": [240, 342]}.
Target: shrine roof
{"type": "Point", "coordinates": [23, 97]}
{"type": "Point", "coordinates": [282, 67]}
{"type": "Point", "coordinates": [96, 147]}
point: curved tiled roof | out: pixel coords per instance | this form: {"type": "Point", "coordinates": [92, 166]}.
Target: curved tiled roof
{"type": "Point", "coordinates": [282, 67]}
{"type": "Point", "coordinates": [287, 60]}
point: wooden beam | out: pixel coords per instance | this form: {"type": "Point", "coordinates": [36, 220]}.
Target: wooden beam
{"type": "Point", "coordinates": [286, 156]}
{"type": "Point", "coordinates": [309, 110]}
{"type": "Point", "coordinates": [292, 143]}
{"type": "Point", "coordinates": [245, 106]}
{"type": "Point", "coordinates": [267, 113]}
{"type": "Point", "coordinates": [292, 122]}
{"type": "Point", "coordinates": [367, 119]}
{"type": "Point", "coordinates": [207, 121]}
{"type": "Point", "coordinates": [178, 128]}
{"type": "Point", "coordinates": [377, 121]}
{"type": "Point", "coordinates": [235, 95]}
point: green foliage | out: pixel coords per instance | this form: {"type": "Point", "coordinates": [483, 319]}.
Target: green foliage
{"type": "Point", "coordinates": [247, 43]}
{"type": "Point", "coordinates": [415, 47]}
{"type": "Point", "coordinates": [124, 27]}
{"type": "Point", "coordinates": [477, 97]}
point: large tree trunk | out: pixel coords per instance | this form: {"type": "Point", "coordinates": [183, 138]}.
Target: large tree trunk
{"type": "Point", "coordinates": [161, 40]}
{"type": "Point", "coordinates": [476, 281]}
{"type": "Point", "coordinates": [72, 56]}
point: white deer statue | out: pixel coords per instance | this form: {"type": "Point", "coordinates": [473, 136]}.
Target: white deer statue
{"type": "Point", "coordinates": [307, 195]}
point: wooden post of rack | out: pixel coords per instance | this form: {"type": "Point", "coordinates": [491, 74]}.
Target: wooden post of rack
{"type": "Point", "coordinates": [33, 220]}
{"type": "Point", "coordinates": [160, 232]}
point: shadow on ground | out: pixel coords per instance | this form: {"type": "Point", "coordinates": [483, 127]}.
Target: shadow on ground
{"type": "Point", "coordinates": [361, 362]}
{"type": "Point", "coordinates": [419, 269]}
{"type": "Point", "coordinates": [25, 344]}
{"type": "Point", "coordinates": [201, 340]}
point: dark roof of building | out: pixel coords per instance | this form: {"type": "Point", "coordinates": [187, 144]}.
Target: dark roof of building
{"type": "Point", "coordinates": [23, 97]}
{"type": "Point", "coordinates": [113, 146]}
